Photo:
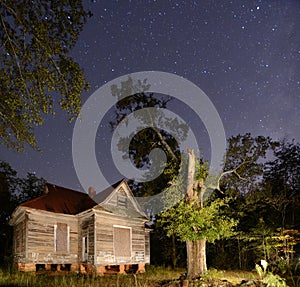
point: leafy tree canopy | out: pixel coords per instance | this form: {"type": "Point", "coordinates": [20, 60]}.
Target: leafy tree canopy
{"type": "Point", "coordinates": [189, 222]}
{"type": "Point", "coordinates": [283, 173]}
{"type": "Point", "coordinates": [133, 97]}
{"type": "Point", "coordinates": [245, 159]}
{"type": "Point", "coordinates": [35, 39]}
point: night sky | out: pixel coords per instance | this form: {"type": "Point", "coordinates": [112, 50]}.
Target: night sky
{"type": "Point", "coordinates": [245, 55]}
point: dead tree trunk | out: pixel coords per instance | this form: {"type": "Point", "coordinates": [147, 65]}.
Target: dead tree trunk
{"type": "Point", "coordinates": [196, 250]}
{"type": "Point", "coordinates": [196, 257]}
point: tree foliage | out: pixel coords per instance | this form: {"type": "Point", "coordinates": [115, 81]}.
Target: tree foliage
{"type": "Point", "coordinates": [189, 222]}
{"type": "Point", "coordinates": [35, 40]}
{"type": "Point", "coordinates": [8, 186]}
{"type": "Point", "coordinates": [133, 97]}
{"type": "Point", "coordinates": [13, 191]}
{"type": "Point", "coordinates": [30, 187]}
{"type": "Point", "coordinates": [257, 190]}
{"type": "Point", "coordinates": [282, 182]}
{"type": "Point", "coordinates": [244, 164]}
{"type": "Point", "coordinates": [268, 211]}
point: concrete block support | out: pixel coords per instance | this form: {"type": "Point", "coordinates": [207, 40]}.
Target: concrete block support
{"type": "Point", "coordinates": [141, 268]}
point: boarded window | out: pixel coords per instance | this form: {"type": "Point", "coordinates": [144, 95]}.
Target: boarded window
{"type": "Point", "coordinates": [62, 237]}
{"type": "Point", "coordinates": [122, 242]}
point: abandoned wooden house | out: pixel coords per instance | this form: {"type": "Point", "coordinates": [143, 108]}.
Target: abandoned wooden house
{"type": "Point", "coordinates": [68, 230]}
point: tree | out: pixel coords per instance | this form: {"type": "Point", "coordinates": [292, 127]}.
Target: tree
{"type": "Point", "coordinates": [195, 220]}
{"type": "Point", "coordinates": [35, 42]}
{"type": "Point", "coordinates": [196, 226]}
{"type": "Point", "coordinates": [13, 191]}
{"type": "Point", "coordinates": [282, 182]}
{"type": "Point", "coordinates": [8, 185]}
{"type": "Point", "coordinates": [30, 187]}
{"type": "Point", "coordinates": [280, 190]}
{"type": "Point", "coordinates": [267, 210]}
{"type": "Point", "coordinates": [242, 165]}
{"type": "Point", "coordinates": [242, 171]}
{"type": "Point", "coordinates": [150, 137]}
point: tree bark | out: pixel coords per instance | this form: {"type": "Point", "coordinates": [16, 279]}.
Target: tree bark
{"type": "Point", "coordinates": [196, 250]}
{"type": "Point", "coordinates": [202, 255]}
{"type": "Point", "coordinates": [191, 195]}
{"type": "Point", "coordinates": [196, 257]}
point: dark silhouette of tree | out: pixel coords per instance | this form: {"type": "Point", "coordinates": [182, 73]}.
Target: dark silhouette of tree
{"type": "Point", "coordinates": [267, 211]}
{"type": "Point", "coordinates": [150, 137]}
{"type": "Point", "coordinates": [30, 187]}
{"type": "Point", "coordinates": [13, 191]}
{"type": "Point", "coordinates": [282, 183]}
{"type": "Point", "coordinates": [8, 185]}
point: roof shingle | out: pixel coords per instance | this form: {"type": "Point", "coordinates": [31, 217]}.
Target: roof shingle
{"type": "Point", "coordinates": [61, 200]}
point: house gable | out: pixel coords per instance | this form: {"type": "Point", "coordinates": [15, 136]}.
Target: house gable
{"type": "Point", "coordinates": [120, 200]}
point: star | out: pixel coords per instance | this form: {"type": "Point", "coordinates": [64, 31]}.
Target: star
{"type": "Point", "coordinates": [244, 55]}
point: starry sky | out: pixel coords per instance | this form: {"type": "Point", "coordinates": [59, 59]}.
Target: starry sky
{"type": "Point", "coordinates": [245, 56]}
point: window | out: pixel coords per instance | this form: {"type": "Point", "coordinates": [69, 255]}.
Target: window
{"type": "Point", "coordinates": [122, 241]}
{"type": "Point", "coordinates": [85, 248]}
{"type": "Point", "coordinates": [61, 237]}
{"type": "Point", "coordinates": [122, 200]}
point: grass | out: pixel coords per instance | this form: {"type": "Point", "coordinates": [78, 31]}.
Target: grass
{"type": "Point", "coordinates": [236, 277]}
{"type": "Point", "coordinates": [154, 277]}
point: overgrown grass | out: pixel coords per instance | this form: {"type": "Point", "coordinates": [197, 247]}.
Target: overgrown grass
{"type": "Point", "coordinates": [236, 277]}
{"type": "Point", "coordinates": [154, 277]}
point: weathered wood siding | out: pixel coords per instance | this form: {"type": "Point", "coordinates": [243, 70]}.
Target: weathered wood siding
{"type": "Point", "coordinates": [41, 238]}
{"type": "Point", "coordinates": [20, 241]}
{"type": "Point", "coordinates": [86, 229]}
{"type": "Point", "coordinates": [147, 246]}
{"type": "Point", "coordinates": [105, 250]}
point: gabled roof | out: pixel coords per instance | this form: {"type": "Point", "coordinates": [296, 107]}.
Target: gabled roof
{"type": "Point", "coordinates": [108, 200]}
{"type": "Point", "coordinates": [103, 195]}
{"type": "Point", "coordinates": [61, 200]}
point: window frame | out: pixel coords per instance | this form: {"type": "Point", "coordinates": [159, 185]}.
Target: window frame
{"type": "Point", "coordinates": [130, 241]}
{"type": "Point", "coordinates": [85, 247]}
{"type": "Point", "coordinates": [68, 238]}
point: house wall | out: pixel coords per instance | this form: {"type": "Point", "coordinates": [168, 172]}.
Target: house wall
{"type": "Point", "coordinates": [104, 240]}
{"type": "Point", "coordinates": [147, 246]}
{"type": "Point", "coordinates": [40, 240]}
{"type": "Point", "coordinates": [86, 229]}
{"type": "Point", "coordinates": [19, 243]}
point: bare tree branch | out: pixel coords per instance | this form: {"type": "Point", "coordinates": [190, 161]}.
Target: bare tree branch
{"type": "Point", "coordinates": [234, 171]}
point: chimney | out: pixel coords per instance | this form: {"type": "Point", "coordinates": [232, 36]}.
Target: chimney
{"type": "Point", "coordinates": [46, 190]}
{"type": "Point", "coordinates": [92, 192]}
